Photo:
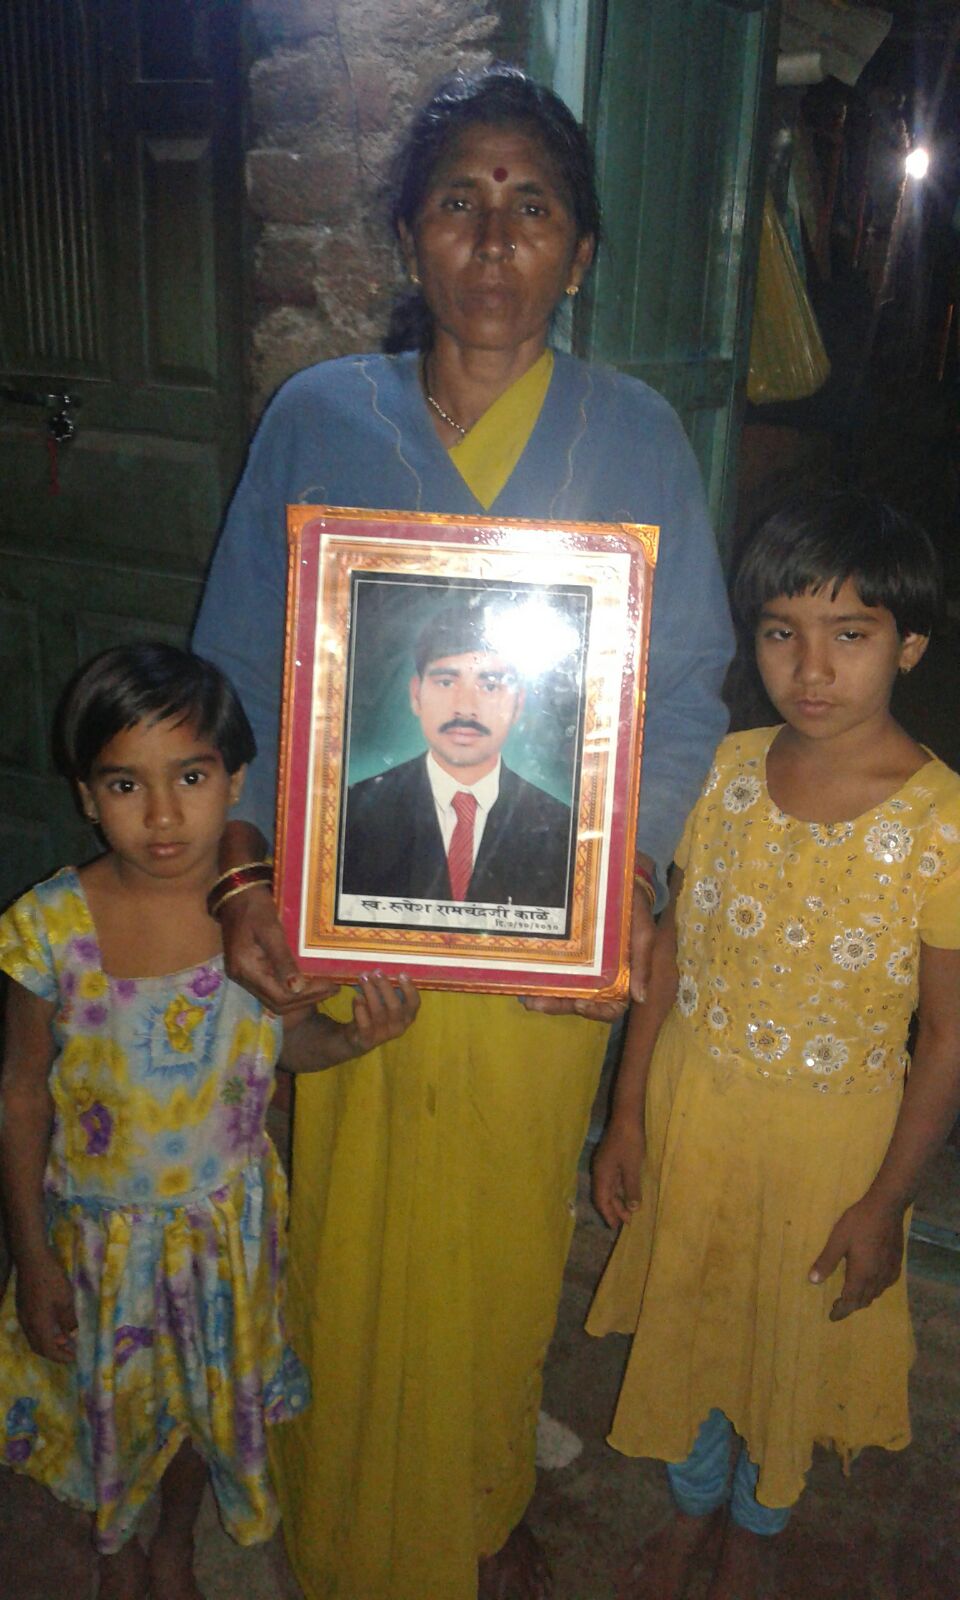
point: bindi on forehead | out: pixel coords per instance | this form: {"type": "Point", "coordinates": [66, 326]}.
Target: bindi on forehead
{"type": "Point", "coordinates": [500, 174]}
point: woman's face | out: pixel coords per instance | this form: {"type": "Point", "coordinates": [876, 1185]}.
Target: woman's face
{"type": "Point", "coordinates": [494, 243]}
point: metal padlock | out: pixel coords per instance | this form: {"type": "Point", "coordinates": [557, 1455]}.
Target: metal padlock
{"type": "Point", "coordinates": [61, 427]}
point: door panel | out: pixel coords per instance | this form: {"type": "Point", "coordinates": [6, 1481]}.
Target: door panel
{"type": "Point", "coordinates": [676, 101]}
{"type": "Point", "coordinates": [148, 498]}
{"type": "Point", "coordinates": [57, 611]}
{"type": "Point", "coordinates": [21, 726]}
{"type": "Point", "coordinates": [179, 288]}
{"type": "Point", "coordinates": [51, 288]}
{"type": "Point", "coordinates": [120, 285]}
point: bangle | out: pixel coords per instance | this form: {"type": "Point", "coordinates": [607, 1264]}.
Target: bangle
{"type": "Point", "coordinates": [244, 866]}
{"type": "Point", "coordinates": [216, 903]}
{"type": "Point", "coordinates": [253, 872]}
{"type": "Point", "coordinates": [644, 880]}
{"type": "Point", "coordinates": [241, 888]}
{"type": "Point", "coordinates": [237, 881]}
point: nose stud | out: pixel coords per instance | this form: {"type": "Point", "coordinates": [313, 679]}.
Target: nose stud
{"type": "Point", "coordinates": [495, 247]}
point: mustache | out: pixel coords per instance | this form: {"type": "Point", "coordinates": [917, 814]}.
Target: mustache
{"type": "Point", "coordinates": [469, 723]}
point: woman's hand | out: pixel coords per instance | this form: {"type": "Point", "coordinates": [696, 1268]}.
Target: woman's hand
{"type": "Point", "coordinates": [45, 1307]}
{"type": "Point", "coordinates": [553, 1005]}
{"type": "Point", "coordinates": [869, 1236]}
{"type": "Point", "coordinates": [257, 956]}
{"type": "Point", "coordinates": [643, 933]}
{"type": "Point", "coordinates": [616, 1168]}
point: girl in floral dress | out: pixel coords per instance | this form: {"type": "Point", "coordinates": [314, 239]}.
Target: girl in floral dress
{"type": "Point", "coordinates": [141, 1336]}
{"type": "Point", "coordinates": [768, 1130]}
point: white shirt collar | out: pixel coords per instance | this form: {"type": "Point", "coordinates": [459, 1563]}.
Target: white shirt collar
{"type": "Point", "coordinates": [444, 786]}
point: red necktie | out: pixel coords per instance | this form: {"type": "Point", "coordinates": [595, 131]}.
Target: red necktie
{"type": "Point", "coordinates": [460, 853]}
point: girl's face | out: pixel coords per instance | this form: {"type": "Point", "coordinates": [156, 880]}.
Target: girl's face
{"type": "Point", "coordinates": [160, 793]}
{"type": "Point", "coordinates": [495, 243]}
{"type": "Point", "coordinates": [829, 665]}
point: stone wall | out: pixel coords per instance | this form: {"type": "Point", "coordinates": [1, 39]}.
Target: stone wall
{"type": "Point", "coordinates": [331, 88]}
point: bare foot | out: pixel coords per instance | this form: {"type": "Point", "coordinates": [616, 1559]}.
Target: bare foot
{"type": "Point", "coordinates": [518, 1571]}
{"type": "Point", "coordinates": [171, 1569]}
{"type": "Point", "coordinates": [665, 1563]}
{"type": "Point", "coordinates": [123, 1576]}
{"type": "Point", "coordinates": [744, 1566]}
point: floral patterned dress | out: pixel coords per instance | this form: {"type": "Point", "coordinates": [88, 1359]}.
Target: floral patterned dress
{"type": "Point", "coordinates": [167, 1210]}
{"type": "Point", "coordinates": [773, 1093]}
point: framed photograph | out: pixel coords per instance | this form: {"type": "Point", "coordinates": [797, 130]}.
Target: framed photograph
{"type": "Point", "coordinates": [461, 748]}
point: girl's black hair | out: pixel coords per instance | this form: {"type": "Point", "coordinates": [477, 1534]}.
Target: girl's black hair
{"type": "Point", "coordinates": [499, 96]}
{"type": "Point", "coordinates": [148, 682]}
{"type": "Point", "coordinates": [819, 537]}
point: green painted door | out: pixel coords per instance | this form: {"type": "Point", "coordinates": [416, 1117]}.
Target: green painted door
{"type": "Point", "coordinates": [120, 263]}
{"type": "Point", "coordinates": [675, 93]}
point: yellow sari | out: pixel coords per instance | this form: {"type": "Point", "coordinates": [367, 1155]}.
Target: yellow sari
{"type": "Point", "coordinates": [432, 1209]}
{"type": "Point", "coordinates": [487, 455]}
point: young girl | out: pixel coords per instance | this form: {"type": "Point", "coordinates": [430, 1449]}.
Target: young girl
{"type": "Point", "coordinates": [767, 1137]}
{"type": "Point", "coordinates": [141, 1340]}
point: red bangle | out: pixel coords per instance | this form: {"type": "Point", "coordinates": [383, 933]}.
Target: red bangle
{"type": "Point", "coordinates": [228, 884]}
{"type": "Point", "coordinates": [241, 866]}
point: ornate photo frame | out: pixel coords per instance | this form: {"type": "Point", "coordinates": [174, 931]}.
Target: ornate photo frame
{"type": "Point", "coordinates": [424, 652]}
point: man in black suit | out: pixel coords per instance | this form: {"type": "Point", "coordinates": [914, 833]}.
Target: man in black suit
{"type": "Point", "coordinates": [456, 823]}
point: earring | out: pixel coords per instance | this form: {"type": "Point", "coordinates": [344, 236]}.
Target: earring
{"type": "Point", "coordinates": [904, 670]}
{"type": "Point", "coordinates": [93, 815]}
{"type": "Point", "coordinates": [414, 280]}
{"type": "Point", "coordinates": [573, 289]}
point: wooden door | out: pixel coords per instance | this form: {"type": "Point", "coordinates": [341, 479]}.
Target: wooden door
{"type": "Point", "coordinates": [675, 93]}
{"type": "Point", "coordinates": [682, 91]}
{"type": "Point", "coordinates": [120, 287]}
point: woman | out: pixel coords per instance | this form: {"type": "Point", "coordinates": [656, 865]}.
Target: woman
{"type": "Point", "coordinates": [432, 1198]}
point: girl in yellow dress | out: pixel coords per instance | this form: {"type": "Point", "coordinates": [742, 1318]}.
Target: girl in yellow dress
{"type": "Point", "coordinates": [768, 1130]}
{"type": "Point", "coordinates": [142, 1344]}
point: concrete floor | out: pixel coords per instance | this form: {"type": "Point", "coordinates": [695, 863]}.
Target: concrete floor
{"type": "Point", "coordinates": [890, 1532]}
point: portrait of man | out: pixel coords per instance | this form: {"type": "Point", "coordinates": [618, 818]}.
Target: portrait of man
{"type": "Point", "coordinates": [456, 823]}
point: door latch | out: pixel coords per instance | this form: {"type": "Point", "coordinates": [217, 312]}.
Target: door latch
{"type": "Point", "coordinates": [60, 426]}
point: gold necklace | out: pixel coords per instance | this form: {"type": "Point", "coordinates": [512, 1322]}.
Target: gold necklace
{"type": "Point", "coordinates": [438, 408]}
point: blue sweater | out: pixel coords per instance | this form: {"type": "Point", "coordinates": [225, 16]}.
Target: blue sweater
{"type": "Point", "coordinates": [606, 448]}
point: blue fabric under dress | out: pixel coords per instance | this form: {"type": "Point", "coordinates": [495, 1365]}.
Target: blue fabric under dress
{"type": "Point", "coordinates": [167, 1210]}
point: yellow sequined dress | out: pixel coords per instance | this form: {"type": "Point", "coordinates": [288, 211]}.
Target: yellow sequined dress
{"type": "Point", "coordinates": [773, 1093]}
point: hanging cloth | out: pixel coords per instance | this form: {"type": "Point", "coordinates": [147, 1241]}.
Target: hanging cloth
{"type": "Point", "coordinates": [787, 358]}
